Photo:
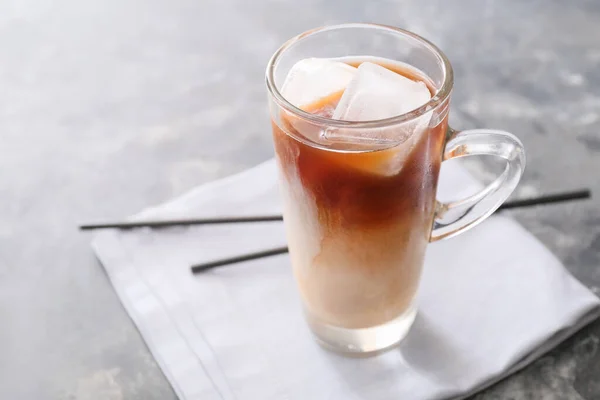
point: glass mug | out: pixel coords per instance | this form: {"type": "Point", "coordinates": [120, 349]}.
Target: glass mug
{"type": "Point", "coordinates": [359, 214]}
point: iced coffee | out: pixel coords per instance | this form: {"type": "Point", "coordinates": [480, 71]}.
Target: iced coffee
{"type": "Point", "coordinates": [359, 204]}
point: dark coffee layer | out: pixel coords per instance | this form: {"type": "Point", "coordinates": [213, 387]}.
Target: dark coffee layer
{"type": "Point", "coordinates": [351, 190]}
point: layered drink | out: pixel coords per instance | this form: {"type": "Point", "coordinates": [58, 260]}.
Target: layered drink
{"type": "Point", "coordinates": [359, 202]}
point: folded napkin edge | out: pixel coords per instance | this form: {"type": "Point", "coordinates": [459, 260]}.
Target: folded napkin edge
{"type": "Point", "coordinates": [583, 319]}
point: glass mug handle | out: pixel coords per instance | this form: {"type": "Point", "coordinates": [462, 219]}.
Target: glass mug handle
{"type": "Point", "coordinates": [457, 216]}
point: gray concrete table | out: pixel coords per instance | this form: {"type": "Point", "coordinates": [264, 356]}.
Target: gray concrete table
{"type": "Point", "coordinates": [110, 106]}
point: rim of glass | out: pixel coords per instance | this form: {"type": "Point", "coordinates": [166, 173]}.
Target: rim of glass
{"type": "Point", "coordinates": [440, 95]}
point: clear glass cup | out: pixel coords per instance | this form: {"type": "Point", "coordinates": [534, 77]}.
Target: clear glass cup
{"type": "Point", "coordinates": [359, 216]}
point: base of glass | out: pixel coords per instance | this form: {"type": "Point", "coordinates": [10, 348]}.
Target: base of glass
{"type": "Point", "coordinates": [364, 341]}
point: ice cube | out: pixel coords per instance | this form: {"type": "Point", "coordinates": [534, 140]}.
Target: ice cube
{"type": "Point", "coordinates": [377, 93]}
{"type": "Point", "coordinates": [313, 80]}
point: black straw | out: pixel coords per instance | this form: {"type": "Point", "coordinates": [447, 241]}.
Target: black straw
{"type": "Point", "coordinates": [552, 198]}
{"type": "Point", "coordinates": [555, 198]}
{"type": "Point", "coordinates": [180, 222]}
{"type": "Point", "coordinates": [247, 257]}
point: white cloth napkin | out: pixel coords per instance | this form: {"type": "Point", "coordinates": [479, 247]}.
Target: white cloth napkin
{"type": "Point", "coordinates": [491, 301]}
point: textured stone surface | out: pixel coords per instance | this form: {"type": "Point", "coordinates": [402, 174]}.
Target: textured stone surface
{"type": "Point", "coordinates": [110, 106]}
